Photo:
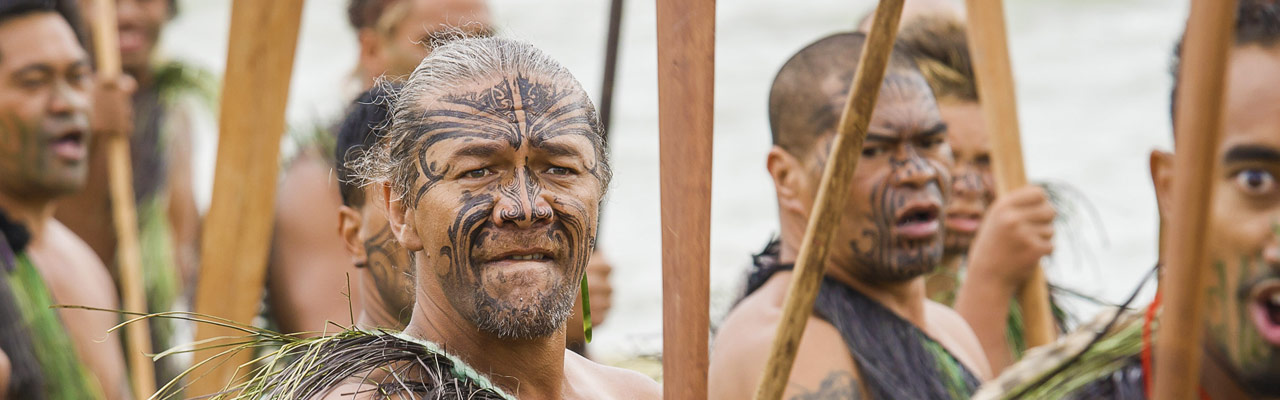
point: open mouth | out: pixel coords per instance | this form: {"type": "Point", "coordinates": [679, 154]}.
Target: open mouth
{"type": "Point", "coordinates": [69, 145]}
{"type": "Point", "coordinates": [964, 222]}
{"type": "Point", "coordinates": [1265, 310]}
{"type": "Point", "coordinates": [918, 221]}
{"type": "Point", "coordinates": [519, 256]}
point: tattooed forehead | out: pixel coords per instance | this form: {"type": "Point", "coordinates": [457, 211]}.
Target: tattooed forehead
{"type": "Point", "coordinates": [518, 110]}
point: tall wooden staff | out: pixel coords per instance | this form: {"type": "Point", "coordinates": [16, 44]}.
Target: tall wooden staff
{"type": "Point", "coordinates": [237, 231]}
{"type": "Point", "coordinates": [120, 183]}
{"type": "Point", "coordinates": [987, 43]}
{"type": "Point", "coordinates": [1198, 125]}
{"type": "Point", "coordinates": [686, 77]}
{"type": "Point", "coordinates": [610, 66]}
{"type": "Point", "coordinates": [833, 194]}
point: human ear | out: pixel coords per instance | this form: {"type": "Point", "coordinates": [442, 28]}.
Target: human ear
{"type": "Point", "coordinates": [399, 217]}
{"type": "Point", "coordinates": [789, 181]}
{"type": "Point", "coordinates": [348, 230]}
{"type": "Point", "coordinates": [372, 62]}
{"type": "Point", "coordinates": [1161, 163]}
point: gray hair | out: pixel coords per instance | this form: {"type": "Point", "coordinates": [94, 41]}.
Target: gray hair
{"type": "Point", "coordinates": [458, 62]}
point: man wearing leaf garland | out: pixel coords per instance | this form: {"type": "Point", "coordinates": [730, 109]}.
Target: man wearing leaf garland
{"type": "Point", "coordinates": [872, 301]}
{"type": "Point", "coordinates": [51, 106]}
{"type": "Point", "coordinates": [492, 173]}
{"type": "Point", "coordinates": [1111, 358]}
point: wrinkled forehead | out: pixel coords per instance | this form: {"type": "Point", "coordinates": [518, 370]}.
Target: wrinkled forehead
{"type": "Point", "coordinates": [517, 110]}
{"type": "Point", "coordinates": [904, 105]}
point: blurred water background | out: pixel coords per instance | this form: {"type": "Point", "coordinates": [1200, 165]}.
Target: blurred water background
{"type": "Point", "coordinates": [1093, 90]}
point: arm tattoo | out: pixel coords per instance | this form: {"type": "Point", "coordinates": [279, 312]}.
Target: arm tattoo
{"type": "Point", "coordinates": [839, 385]}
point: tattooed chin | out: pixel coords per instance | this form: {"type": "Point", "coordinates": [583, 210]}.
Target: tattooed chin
{"type": "Point", "coordinates": [522, 286]}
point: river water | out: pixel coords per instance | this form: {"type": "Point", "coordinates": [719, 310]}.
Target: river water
{"type": "Point", "coordinates": [1093, 89]}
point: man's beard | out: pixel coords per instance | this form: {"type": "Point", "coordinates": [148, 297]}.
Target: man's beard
{"type": "Point", "coordinates": [900, 264]}
{"type": "Point", "coordinates": [535, 319]}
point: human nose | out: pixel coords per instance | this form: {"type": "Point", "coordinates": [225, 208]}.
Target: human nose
{"type": "Point", "coordinates": [914, 171]}
{"type": "Point", "coordinates": [521, 203]}
{"type": "Point", "coordinates": [67, 100]}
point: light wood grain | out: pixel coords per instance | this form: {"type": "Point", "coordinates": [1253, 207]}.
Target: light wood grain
{"type": "Point", "coordinates": [142, 376]}
{"type": "Point", "coordinates": [833, 195]}
{"type": "Point", "coordinates": [1197, 126]}
{"type": "Point", "coordinates": [990, 50]}
{"type": "Point", "coordinates": [686, 77]}
{"type": "Point", "coordinates": [237, 230]}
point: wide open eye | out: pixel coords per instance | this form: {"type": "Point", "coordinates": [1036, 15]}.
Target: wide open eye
{"type": "Point", "coordinates": [1255, 181]}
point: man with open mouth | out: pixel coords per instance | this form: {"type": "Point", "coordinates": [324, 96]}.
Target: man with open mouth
{"type": "Point", "coordinates": [872, 311]}
{"type": "Point", "coordinates": [1242, 304]}
{"type": "Point", "coordinates": [491, 173]}
{"type": "Point", "coordinates": [51, 105]}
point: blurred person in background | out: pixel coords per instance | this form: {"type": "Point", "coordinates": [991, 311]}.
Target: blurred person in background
{"type": "Point", "coordinates": [51, 110]}
{"type": "Point", "coordinates": [993, 243]}
{"type": "Point", "coordinates": [171, 101]}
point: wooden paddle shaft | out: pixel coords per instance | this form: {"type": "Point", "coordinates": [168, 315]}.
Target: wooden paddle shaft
{"type": "Point", "coordinates": [237, 231]}
{"type": "Point", "coordinates": [833, 196]}
{"type": "Point", "coordinates": [120, 188]}
{"type": "Point", "coordinates": [1197, 126]}
{"type": "Point", "coordinates": [990, 50]}
{"type": "Point", "coordinates": [686, 77]}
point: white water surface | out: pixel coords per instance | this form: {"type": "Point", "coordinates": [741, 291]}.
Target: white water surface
{"type": "Point", "coordinates": [1093, 89]}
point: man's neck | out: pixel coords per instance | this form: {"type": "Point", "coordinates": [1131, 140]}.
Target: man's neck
{"type": "Point", "coordinates": [32, 214]}
{"type": "Point", "coordinates": [527, 368]}
{"type": "Point", "coordinates": [1220, 384]}
{"type": "Point", "coordinates": [373, 309]}
{"type": "Point", "coordinates": [905, 298]}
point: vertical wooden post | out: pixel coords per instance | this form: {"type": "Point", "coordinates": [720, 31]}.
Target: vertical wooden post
{"type": "Point", "coordinates": [990, 50]}
{"type": "Point", "coordinates": [686, 78]}
{"type": "Point", "coordinates": [1197, 125]}
{"type": "Point", "coordinates": [142, 375]}
{"type": "Point", "coordinates": [833, 195]}
{"type": "Point", "coordinates": [237, 231]}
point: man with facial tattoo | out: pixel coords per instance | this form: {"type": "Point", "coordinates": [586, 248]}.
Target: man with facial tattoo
{"type": "Point", "coordinates": [51, 106]}
{"type": "Point", "coordinates": [492, 172]}
{"type": "Point", "coordinates": [1242, 305]}
{"type": "Point", "coordinates": [871, 315]}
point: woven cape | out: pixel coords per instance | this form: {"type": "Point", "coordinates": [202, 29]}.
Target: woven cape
{"type": "Point", "coordinates": [895, 359]}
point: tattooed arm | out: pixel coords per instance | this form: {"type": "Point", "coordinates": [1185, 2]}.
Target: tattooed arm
{"type": "Point", "coordinates": [838, 385]}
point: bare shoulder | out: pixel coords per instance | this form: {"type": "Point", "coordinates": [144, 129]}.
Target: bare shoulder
{"type": "Point", "coordinates": [954, 333]}
{"type": "Point", "coordinates": [741, 350]}
{"type": "Point", "coordinates": [73, 271]}
{"type": "Point", "coordinates": [590, 380]}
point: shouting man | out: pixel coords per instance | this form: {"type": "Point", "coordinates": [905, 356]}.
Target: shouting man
{"type": "Point", "coordinates": [492, 172]}
{"type": "Point", "coordinates": [1242, 305]}
{"type": "Point", "coordinates": [872, 300]}
{"type": "Point", "coordinates": [45, 87]}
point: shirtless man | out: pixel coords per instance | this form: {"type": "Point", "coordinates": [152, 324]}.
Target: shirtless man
{"type": "Point", "coordinates": [873, 293]}
{"type": "Point", "coordinates": [309, 266]}
{"type": "Point", "coordinates": [492, 172]}
{"type": "Point", "coordinates": [1242, 305]}
{"type": "Point", "coordinates": [45, 89]}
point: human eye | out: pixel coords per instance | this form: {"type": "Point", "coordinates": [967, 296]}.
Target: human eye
{"type": "Point", "coordinates": [868, 152]}
{"type": "Point", "coordinates": [554, 170]}
{"type": "Point", "coordinates": [930, 142]}
{"type": "Point", "coordinates": [477, 173]}
{"type": "Point", "coordinates": [1255, 181]}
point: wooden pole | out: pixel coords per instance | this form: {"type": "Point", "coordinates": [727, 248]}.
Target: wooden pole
{"type": "Point", "coordinates": [987, 43]}
{"type": "Point", "coordinates": [142, 375]}
{"type": "Point", "coordinates": [833, 195]}
{"type": "Point", "coordinates": [1198, 125]}
{"type": "Point", "coordinates": [686, 77]}
{"type": "Point", "coordinates": [610, 66]}
{"type": "Point", "coordinates": [237, 231]}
